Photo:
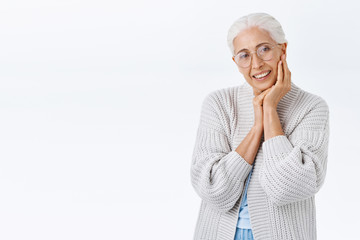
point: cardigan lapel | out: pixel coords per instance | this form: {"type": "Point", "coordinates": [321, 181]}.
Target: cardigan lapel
{"type": "Point", "coordinates": [257, 199]}
{"type": "Point", "coordinates": [244, 114]}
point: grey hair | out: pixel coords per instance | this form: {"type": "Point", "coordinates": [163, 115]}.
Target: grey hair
{"type": "Point", "coordinates": [261, 20]}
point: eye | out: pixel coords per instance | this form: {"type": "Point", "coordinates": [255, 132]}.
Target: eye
{"type": "Point", "coordinates": [264, 48]}
{"type": "Point", "coordinates": [243, 55]}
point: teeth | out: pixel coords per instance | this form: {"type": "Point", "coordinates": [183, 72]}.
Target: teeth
{"type": "Point", "coordinates": [261, 75]}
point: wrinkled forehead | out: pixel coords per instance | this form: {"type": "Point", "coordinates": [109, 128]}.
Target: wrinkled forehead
{"type": "Point", "coordinates": [250, 38]}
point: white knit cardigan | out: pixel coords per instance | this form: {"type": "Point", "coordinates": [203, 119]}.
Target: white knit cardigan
{"type": "Point", "coordinates": [288, 169]}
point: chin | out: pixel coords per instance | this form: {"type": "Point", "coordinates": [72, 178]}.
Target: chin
{"type": "Point", "coordinates": [261, 86]}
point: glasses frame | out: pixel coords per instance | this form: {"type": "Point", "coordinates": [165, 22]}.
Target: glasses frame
{"type": "Point", "coordinates": [257, 53]}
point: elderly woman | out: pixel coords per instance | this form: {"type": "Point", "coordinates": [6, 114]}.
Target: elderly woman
{"type": "Point", "coordinates": [260, 154]}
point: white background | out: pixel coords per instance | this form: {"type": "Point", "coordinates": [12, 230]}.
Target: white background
{"type": "Point", "coordinates": [100, 102]}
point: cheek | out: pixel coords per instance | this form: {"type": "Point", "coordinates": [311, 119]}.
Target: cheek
{"type": "Point", "coordinates": [245, 73]}
{"type": "Point", "coordinates": [274, 66]}
{"type": "Point", "coordinates": [248, 75]}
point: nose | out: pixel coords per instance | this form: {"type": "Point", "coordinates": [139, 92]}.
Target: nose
{"type": "Point", "coordinates": [256, 61]}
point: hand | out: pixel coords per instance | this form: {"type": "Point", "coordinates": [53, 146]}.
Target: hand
{"type": "Point", "coordinates": [258, 109]}
{"type": "Point", "coordinates": [281, 87]}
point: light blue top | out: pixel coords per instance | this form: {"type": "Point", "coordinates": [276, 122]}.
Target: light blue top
{"type": "Point", "coordinates": [244, 218]}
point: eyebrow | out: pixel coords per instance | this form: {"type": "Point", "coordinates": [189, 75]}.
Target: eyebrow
{"type": "Point", "coordinates": [255, 47]}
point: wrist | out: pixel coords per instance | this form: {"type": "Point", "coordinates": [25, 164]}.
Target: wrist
{"type": "Point", "coordinates": [257, 129]}
{"type": "Point", "coordinates": [269, 108]}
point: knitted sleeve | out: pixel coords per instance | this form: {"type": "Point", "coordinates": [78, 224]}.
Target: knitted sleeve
{"type": "Point", "coordinates": [295, 167]}
{"type": "Point", "coordinates": [217, 172]}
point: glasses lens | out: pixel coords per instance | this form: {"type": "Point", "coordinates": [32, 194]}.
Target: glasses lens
{"type": "Point", "coordinates": [265, 52]}
{"type": "Point", "coordinates": [243, 59]}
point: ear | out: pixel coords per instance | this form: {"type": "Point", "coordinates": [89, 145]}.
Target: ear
{"type": "Point", "coordinates": [233, 58]}
{"type": "Point", "coordinates": [284, 48]}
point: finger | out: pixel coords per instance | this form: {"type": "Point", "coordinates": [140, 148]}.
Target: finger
{"type": "Point", "coordinates": [280, 72]}
{"type": "Point", "coordinates": [287, 74]}
{"type": "Point", "coordinates": [286, 68]}
{"type": "Point", "coordinates": [259, 98]}
{"type": "Point", "coordinates": [256, 92]}
{"type": "Point", "coordinates": [263, 94]}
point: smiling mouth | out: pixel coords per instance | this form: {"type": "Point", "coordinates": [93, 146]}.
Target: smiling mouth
{"type": "Point", "coordinates": [259, 76]}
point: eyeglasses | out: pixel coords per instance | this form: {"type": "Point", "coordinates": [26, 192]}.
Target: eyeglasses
{"type": "Point", "coordinates": [264, 52]}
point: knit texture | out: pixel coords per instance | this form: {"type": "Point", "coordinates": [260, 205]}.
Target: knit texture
{"type": "Point", "coordinates": [288, 169]}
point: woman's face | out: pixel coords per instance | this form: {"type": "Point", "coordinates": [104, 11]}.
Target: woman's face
{"type": "Point", "coordinates": [248, 40]}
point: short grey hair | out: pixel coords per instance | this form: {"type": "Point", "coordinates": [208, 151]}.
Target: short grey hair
{"type": "Point", "coordinates": [261, 20]}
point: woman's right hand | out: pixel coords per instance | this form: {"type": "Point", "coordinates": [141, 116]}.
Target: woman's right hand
{"type": "Point", "coordinates": [258, 109]}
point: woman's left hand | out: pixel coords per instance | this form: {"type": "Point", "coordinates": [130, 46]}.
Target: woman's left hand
{"type": "Point", "coordinates": [281, 87]}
